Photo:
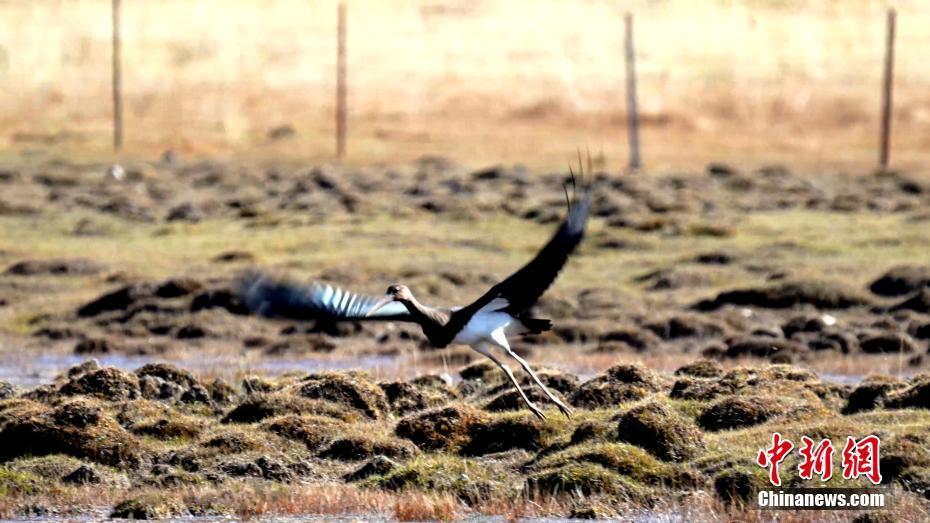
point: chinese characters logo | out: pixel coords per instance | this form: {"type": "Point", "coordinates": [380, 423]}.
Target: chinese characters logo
{"type": "Point", "coordinates": [860, 458]}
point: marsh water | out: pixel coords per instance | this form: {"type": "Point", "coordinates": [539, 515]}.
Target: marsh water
{"type": "Point", "coordinates": [39, 368]}
{"type": "Point", "coordinates": [36, 369]}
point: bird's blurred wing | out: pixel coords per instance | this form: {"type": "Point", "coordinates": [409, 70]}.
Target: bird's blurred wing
{"type": "Point", "coordinates": [317, 301]}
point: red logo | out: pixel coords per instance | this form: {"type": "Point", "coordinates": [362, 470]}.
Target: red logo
{"type": "Point", "coordinates": [773, 457]}
{"type": "Point", "coordinates": [860, 458]}
{"type": "Point", "coordinates": [817, 460]}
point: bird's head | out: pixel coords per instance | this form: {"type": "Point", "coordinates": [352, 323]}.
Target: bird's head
{"type": "Point", "coordinates": [395, 292]}
{"type": "Point", "coordinates": [399, 292]}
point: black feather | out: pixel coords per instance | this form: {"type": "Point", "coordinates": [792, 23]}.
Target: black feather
{"type": "Point", "coordinates": [281, 299]}
{"type": "Point", "coordinates": [524, 287]}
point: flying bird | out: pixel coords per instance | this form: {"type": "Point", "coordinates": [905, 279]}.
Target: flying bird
{"type": "Point", "coordinates": [484, 324]}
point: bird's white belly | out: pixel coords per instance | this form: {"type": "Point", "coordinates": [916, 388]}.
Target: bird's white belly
{"type": "Point", "coordinates": [480, 327]}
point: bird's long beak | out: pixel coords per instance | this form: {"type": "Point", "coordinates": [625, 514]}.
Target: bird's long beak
{"type": "Point", "coordinates": [384, 301]}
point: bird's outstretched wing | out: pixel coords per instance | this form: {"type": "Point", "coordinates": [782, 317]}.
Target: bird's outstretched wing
{"type": "Point", "coordinates": [273, 298]}
{"type": "Point", "coordinates": [524, 287]}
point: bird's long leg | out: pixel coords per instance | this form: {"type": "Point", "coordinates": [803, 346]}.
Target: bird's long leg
{"type": "Point", "coordinates": [482, 348]}
{"type": "Point", "coordinates": [501, 341]}
{"type": "Point", "coordinates": [565, 409]}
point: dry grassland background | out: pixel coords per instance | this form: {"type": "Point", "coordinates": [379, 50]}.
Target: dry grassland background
{"type": "Point", "coordinates": [748, 81]}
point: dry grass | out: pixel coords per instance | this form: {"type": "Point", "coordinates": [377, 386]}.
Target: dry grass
{"type": "Point", "coordinates": [264, 500]}
{"type": "Point", "coordinates": [749, 80]}
{"type": "Point", "coordinates": [425, 507]}
{"type": "Point", "coordinates": [251, 500]}
{"type": "Point", "coordinates": [75, 499]}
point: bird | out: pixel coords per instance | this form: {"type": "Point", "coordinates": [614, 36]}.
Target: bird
{"type": "Point", "coordinates": [485, 324]}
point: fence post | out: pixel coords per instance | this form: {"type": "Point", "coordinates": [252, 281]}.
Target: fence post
{"type": "Point", "coordinates": [117, 80]}
{"type": "Point", "coordinates": [341, 123]}
{"type": "Point", "coordinates": [631, 107]}
{"type": "Point", "coordinates": [887, 85]}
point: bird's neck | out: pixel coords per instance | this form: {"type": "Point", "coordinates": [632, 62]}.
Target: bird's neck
{"type": "Point", "coordinates": [421, 314]}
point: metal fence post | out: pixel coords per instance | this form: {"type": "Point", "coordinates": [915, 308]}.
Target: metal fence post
{"type": "Point", "coordinates": [117, 80]}
{"type": "Point", "coordinates": [887, 85]}
{"type": "Point", "coordinates": [631, 106]}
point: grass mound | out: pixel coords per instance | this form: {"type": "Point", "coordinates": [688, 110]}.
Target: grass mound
{"type": "Point", "coordinates": [775, 350]}
{"type": "Point", "coordinates": [232, 441]}
{"type": "Point", "coordinates": [903, 454]}
{"type": "Point", "coordinates": [118, 300]}
{"type": "Point", "coordinates": [586, 479]}
{"type": "Point", "coordinates": [405, 397]}
{"type": "Point", "coordinates": [311, 430]}
{"type": "Point", "coordinates": [776, 381]}
{"type": "Point", "coordinates": [555, 380]}
{"type": "Point", "coordinates": [108, 383]}
{"type": "Point", "coordinates": [701, 369]}
{"type": "Point", "coordinates": [354, 448]}
{"type": "Point", "coordinates": [919, 302]}
{"type": "Point", "coordinates": [151, 506]}
{"type": "Point", "coordinates": [820, 294]}
{"type": "Point", "coordinates": [620, 384]}
{"type": "Point", "coordinates": [624, 459]}
{"type": "Point", "coordinates": [259, 407]}
{"type": "Point", "coordinates": [511, 400]}
{"type": "Point", "coordinates": [445, 428]}
{"type": "Point", "coordinates": [76, 428]}
{"type": "Point", "coordinates": [738, 485]}
{"type": "Point", "coordinates": [506, 433]}
{"type": "Point", "coordinates": [916, 395]}
{"type": "Point", "coordinates": [590, 430]}
{"type": "Point", "coordinates": [180, 427]}
{"type": "Point", "coordinates": [168, 373]}
{"type": "Point", "coordinates": [678, 327]}
{"type": "Point", "coordinates": [468, 480]}
{"type": "Point", "coordinates": [376, 466]}
{"type": "Point", "coordinates": [688, 388]}
{"type": "Point", "coordinates": [871, 393]}
{"type": "Point", "coordinates": [901, 280]}
{"type": "Point", "coordinates": [350, 390]}
{"type": "Point", "coordinates": [83, 475]}
{"type": "Point", "coordinates": [738, 412]}
{"type": "Point", "coordinates": [660, 431]}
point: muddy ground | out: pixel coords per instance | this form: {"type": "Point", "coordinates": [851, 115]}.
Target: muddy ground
{"type": "Point", "coordinates": [739, 269]}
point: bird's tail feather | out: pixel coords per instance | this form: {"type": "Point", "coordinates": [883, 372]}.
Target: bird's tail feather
{"type": "Point", "coordinates": [535, 325]}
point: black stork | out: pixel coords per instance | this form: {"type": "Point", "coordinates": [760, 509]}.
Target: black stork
{"type": "Point", "coordinates": [483, 325]}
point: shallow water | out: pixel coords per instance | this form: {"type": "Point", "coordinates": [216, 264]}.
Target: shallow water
{"type": "Point", "coordinates": [843, 379]}
{"type": "Point", "coordinates": [36, 367]}
{"type": "Point", "coordinates": [39, 368]}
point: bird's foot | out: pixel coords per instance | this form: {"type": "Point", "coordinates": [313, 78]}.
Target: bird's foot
{"type": "Point", "coordinates": [535, 410]}
{"type": "Point", "coordinates": [564, 409]}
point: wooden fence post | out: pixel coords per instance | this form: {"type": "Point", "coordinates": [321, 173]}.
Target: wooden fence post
{"type": "Point", "coordinates": [117, 80]}
{"type": "Point", "coordinates": [341, 110]}
{"type": "Point", "coordinates": [631, 106]}
{"type": "Point", "coordinates": [887, 85]}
